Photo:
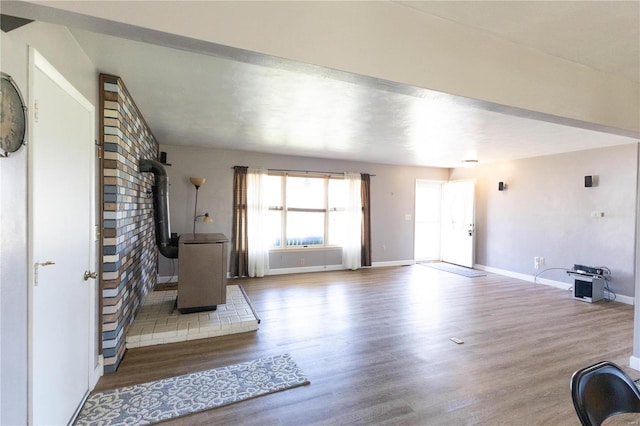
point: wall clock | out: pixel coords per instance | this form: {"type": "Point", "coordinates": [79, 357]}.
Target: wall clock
{"type": "Point", "coordinates": [13, 116]}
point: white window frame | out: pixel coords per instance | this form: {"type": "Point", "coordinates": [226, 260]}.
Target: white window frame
{"type": "Point", "coordinates": [284, 209]}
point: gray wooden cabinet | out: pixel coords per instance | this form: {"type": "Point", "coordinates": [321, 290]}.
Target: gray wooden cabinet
{"type": "Point", "coordinates": [202, 277]}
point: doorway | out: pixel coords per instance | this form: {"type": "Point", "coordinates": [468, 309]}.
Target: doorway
{"type": "Point", "coordinates": [427, 220]}
{"type": "Point", "coordinates": [445, 222]}
{"type": "Point", "coordinates": [62, 315]}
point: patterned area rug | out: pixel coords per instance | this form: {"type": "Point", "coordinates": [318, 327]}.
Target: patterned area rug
{"type": "Point", "coordinates": [454, 269]}
{"type": "Point", "coordinates": [177, 396]}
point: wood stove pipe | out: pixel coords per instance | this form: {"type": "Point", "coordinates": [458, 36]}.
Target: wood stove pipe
{"type": "Point", "coordinates": [167, 246]}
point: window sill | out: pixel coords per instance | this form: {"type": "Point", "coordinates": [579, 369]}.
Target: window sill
{"type": "Point", "coordinates": [304, 248]}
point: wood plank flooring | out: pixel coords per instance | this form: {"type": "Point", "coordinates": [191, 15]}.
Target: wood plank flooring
{"type": "Point", "coordinates": [375, 345]}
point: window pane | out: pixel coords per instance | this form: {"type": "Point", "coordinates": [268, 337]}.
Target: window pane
{"type": "Point", "coordinates": [337, 193]}
{"type": "Point", "coordinates": [274, 228]}
{"type": "Point", "coordinates": [273, 191]}
{"type": "Point", "coordinates": [337, 228]}
{"type": "Point", "coordinates": [305, 229]}
{"type": "Point", "coordinates": [303, 192]}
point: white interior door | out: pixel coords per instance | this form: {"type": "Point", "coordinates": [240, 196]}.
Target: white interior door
{"type": "Point", "coordinates": [61, 249]}
{"type": "Point", "coordinates": [458, 223]}
{"type": "Point", "coordinates": [427, 220]}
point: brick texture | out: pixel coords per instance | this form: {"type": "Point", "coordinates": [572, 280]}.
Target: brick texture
{"type": "Point", "coordinates": [128, 240]}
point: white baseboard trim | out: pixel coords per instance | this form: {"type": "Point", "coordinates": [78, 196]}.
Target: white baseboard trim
{"type": "Point", "coordinates": [634, 362]}
{"type": "Point", "coordinates": [523, 277]}
{"type": "Point", "coordinates": [393, 263]}
{"type": "Point", "coordinates": [166, 279]}
{"type": "Point", "coordinates": [624, 299]}
{"type": "Point", "coordinates": [305, 269]}
{"type": "Point", "coordinates": [558, 284]}
{"type": "Point", "coordinates": [322, 268]}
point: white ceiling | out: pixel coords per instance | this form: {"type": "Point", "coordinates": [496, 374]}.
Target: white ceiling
{"type": "Point", "coordinates": [200, 100]}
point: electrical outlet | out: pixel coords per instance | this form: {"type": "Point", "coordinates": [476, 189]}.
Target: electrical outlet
{"type": "Point", "coordinates": [302, 261]}
{"type": "Point", "coordinates": [541, 262]}
{"type": "Point", "coordinates": [536, 262]}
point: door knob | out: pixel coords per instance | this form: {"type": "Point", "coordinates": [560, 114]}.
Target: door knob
{"type": "Point", "coordinates": [88, 275]}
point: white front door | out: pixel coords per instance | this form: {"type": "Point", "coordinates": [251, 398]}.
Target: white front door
{"type": "Point", "coordinates": [61, 249]}
{"type": "Point", "coordinates": [458, 223]}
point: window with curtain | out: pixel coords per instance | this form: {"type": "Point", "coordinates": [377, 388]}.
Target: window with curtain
{"type": "Point", "coordinates": [257, 211]}
{"type": "Point", "coordinates": [249, 242]}
{"type": "Point", "coordinates": [238, 262]}
{"type": "Point", "coordinates": [352, 243]}
{"type": "Point", "coordinates": [306, 211]}
{"type": "Point", "coordinates": [284, 210]}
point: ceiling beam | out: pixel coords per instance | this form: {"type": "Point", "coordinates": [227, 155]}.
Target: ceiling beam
{"type": "Point", "coordinates": [383, 40]}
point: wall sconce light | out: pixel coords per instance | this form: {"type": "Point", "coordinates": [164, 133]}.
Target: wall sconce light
{"type": "Point", "coordinates": [469, 164]}
{"type": "Point", "coordinates": [502, 186]}
{"type": "Point", "coordinates": [206, 217]}
{"type": "Point", "coordinates": [198, 182]}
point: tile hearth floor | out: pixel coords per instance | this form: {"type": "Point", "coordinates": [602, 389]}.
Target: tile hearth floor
{"type": "Point", "coordinates": [158, 322]}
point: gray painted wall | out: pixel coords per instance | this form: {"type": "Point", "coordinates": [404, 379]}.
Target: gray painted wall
{"type": "Point", "coordinates": [546, 211]}
{"type": "Point", "coordinates": [60, 49]}
{"type": "Point", "coordinates": [392, 197]}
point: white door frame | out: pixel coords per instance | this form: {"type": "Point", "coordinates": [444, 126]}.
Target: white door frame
{"type": "Point", "coordinates": [37, 61]}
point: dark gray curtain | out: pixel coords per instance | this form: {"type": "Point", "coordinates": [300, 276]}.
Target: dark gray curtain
{"type": "Point", "coordinates": [239, 262]}
{"type": "Point", "coordinates": [366, 219]}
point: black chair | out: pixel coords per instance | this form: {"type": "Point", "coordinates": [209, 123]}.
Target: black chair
{"type": "Point", "coordinates": [601, 391]}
